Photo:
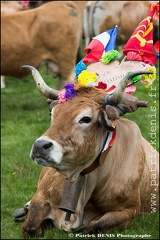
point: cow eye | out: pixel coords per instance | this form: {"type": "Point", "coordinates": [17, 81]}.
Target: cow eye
{"type": "Point", "coordinates": [85, 120]}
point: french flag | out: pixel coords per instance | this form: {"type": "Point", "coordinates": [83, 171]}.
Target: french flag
{"type": "Point", "coordinates": [111, 136]}
{"type": "Point", "coordinates": [100, 44]}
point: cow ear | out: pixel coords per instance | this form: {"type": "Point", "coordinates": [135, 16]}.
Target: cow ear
{"type": "Point", "coordinates": [110, 124]}
{"type": "Point", "coordinates": [51, 103]}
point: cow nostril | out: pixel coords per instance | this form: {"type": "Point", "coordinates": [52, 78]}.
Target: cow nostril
{"type": "Point", "coordinates": [47, 145]}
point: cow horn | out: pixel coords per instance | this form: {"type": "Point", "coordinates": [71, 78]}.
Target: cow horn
{"type": "Point", "coordinates": [41, 85]}
{"type": "Point", "coordinates": [116, 97]}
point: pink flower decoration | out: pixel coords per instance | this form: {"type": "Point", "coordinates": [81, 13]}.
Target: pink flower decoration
{"type": "Point", "coordinates": [133, 56]}
{"type": "Point", "coordinates": [130, 89]}
{"type": "Point", "coordinates": [61, 96]}
{"type": "Point", "coordinates": [66, 93]}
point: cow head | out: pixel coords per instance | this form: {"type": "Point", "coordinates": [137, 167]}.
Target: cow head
{"type": "Point", "coordinates": [78, 126]}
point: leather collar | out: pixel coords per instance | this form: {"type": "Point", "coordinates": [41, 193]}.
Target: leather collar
{"type": "Point", "coordinates": [97, 162]}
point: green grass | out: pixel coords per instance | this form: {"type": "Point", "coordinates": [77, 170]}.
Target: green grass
{"type": "Point", "coordinates": [24, 117]}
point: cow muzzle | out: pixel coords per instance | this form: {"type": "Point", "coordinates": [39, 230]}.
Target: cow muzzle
{"type": "Point", "coordinates": [46, 152]}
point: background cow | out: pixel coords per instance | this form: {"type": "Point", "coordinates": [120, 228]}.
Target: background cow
{"type": "Point", "coordinates": [99, 16]}
{"type": "Point", "coordinates": [113, 193]}
{"type": "Point", "coordinates": [9, 7]}
{"type": "Point", "coordinates": [49, 34]}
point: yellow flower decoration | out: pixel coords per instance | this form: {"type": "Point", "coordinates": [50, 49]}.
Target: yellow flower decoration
{"type": "Point", "coordinates": [87, 78]}
{"type": "Point", "coordinates": [149, 78]}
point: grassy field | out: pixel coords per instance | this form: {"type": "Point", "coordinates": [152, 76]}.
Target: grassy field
{"type": "Point", "coordinates": [24, 117]}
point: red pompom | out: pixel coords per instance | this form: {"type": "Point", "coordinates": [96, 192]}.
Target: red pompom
{"type": "Point", "coordinates": [133, 56]}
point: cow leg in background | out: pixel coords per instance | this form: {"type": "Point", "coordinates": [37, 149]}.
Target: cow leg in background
{"type": "Point", "coordinates": [65, 75]}
{"type": "Point", "coordinates": [3, 82]}
{"type": "Point", "coordinates": [63, 81]}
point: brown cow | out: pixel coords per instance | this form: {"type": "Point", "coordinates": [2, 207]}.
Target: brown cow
{"type": "Point", "coordinates": [49, 34]}
{"type": "Point", "coordinates": [8, 7]}
{"type": "Point", "coordinates": [100, 16]}
{"type": "Point", "coordinates": [115, 192]}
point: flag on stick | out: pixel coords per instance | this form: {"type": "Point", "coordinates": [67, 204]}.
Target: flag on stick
{"type": "Point", "coordinates": [100, 44]}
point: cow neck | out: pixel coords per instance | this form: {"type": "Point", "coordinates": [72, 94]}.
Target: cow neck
{"type": "Point", "coordinates": [99, 161]}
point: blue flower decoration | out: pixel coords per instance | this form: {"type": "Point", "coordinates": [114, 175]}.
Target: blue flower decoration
{"type": "Point", "coordinates": [80, 66]}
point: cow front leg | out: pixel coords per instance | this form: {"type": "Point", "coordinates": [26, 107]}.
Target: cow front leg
{"type": "Point", "coordinates": [111, 220]}
{"type": "Point", "coordinates": [37, 213]}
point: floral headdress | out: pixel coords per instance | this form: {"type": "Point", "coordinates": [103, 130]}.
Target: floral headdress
{"type": "Point", "coordinates": [66, 93]}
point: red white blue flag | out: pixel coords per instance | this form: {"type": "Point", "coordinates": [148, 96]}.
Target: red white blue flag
{"type": "Point", "coordinates": [100, 44]}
